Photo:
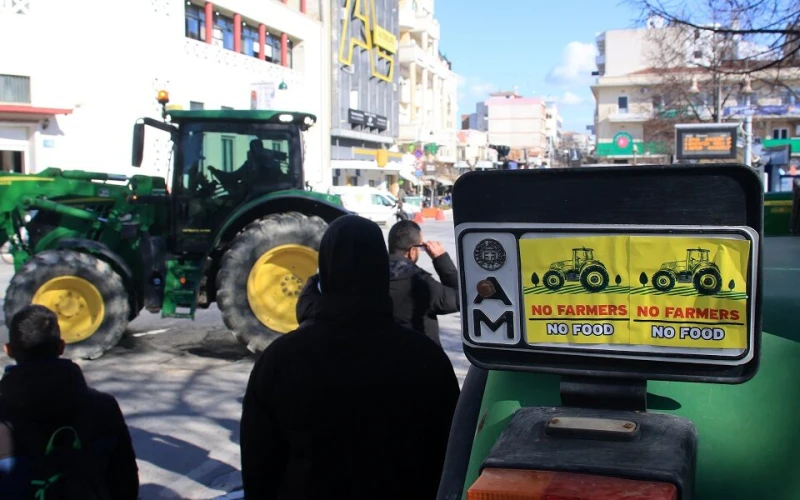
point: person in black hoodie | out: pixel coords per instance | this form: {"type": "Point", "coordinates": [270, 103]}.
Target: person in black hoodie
{"type": "Point", "coordinates": [41, 394]}
{"type": "Point", "coordinates": [417, 297]}
{"type": "Point", "coordinates": [350, 405]}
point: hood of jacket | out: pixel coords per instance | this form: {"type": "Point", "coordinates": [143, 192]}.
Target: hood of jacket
{"type": "Point", "coordinates": [353, 281]}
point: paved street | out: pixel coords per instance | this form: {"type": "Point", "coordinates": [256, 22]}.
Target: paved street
{"type": "Point", "coordinates": [180, 384]}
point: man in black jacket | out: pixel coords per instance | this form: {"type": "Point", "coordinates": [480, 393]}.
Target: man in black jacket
{"type": "Point", "coordinates": [350, 405]}
{"type": "Point", "coordinates": [41, 394]}
{"type": "Point", "coordinates": [417, 297]}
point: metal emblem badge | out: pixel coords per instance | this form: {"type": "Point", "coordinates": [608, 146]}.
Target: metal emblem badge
{"type": "Point", "coordinates": [490, 254]}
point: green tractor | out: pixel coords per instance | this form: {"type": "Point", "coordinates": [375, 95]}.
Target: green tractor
{"type": "Point", "coordinates": [696, 269]}
{"type": "Point", "coordinates": [591, 273]}
{"type": "Point", "coordinates": [238, 227]}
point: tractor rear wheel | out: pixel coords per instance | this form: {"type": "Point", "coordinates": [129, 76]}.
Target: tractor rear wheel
{"type": "Point", "coordinates": [86, 294]}
{"type": "Point", "coordinates": [663, 281]}
{"type": "Point", "coordinates": [707, 281]}
{"type": "Point", "coordinates": [262, 274]}
{"type": "Point", "coordinates": [594, 278]}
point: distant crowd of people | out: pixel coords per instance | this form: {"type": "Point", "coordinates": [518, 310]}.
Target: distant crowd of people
{"type": "Point", "coordinates": [355, 404]}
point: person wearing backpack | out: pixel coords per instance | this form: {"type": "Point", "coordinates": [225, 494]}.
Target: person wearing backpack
{"type": "Point", "coordinates": [67, 440]}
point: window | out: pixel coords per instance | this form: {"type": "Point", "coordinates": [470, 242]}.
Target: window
{"type": "Point", "coordinates": [195, 22]}
{"type": "Point", "coordinates": [335, 181]}
{"type": "Point", "coordinates": [622, 103]}
{"type": "Point", "coordinates": [15, 88]}
{"type": "Point", "coordinates": [374, 201]}
{"type": "Point", "coordinates": [196, 106]}
{"type": "Point", "coordinates": [698, 54]}
{"type": "Point", "coordinates": [223, 32]}
{"type": "Point", "coordinates": [250, 41]}
{"type": "Point", "coordinates": [780, 133]}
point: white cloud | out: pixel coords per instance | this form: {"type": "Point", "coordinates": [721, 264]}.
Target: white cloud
{"type": "Point", "coordinates": [571, 99]}
{"type": "Point", "coordinates": [576, 66]}
{"type": "Point", "coordinates": [471, 88]}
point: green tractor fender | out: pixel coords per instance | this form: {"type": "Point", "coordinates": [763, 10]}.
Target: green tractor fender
{"type": "Point", "coordinates": [322, 205]}
{"type": "Point", "coordinates": [104, 253]}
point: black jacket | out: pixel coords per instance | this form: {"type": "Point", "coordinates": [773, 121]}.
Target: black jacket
{"type": "Point", "coordinates": [418, 298]}
{"type": "Point", "coordinates": [47, 395]}
{"type": "Point", "coordinates": [350, 405]}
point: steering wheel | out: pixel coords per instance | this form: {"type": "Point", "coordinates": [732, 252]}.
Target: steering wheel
{"type": "Point", "coordinates": [206, 186]}
{"type": "Point", "coordinates": [229, 180]}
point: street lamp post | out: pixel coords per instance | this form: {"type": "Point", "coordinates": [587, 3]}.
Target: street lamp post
{"type": "Point", "coordinates": [747, 90]}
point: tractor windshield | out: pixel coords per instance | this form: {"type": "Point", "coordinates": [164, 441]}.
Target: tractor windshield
{"type": "Point", "coordinates": [584, 254]}
{"type": "Point", "coordinates": [697, 256]}
{"type": "Point", "coordinates": [240, 159]}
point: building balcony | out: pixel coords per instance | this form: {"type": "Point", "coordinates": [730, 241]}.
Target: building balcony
{"type": "Point", "coordinates": [600, 60]}
{"type": "Point", "coordinates": [409, 132]}
{"type": "Point", "coordinates": [408, 19]}
{"type": "Point", "coordinates": [633, 114]}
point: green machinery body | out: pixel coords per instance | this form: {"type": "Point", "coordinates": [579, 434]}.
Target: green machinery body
{"type": "Point", "coordinates": [168, 246]}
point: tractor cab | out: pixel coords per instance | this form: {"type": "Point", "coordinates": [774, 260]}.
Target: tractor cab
{"type": "Point", "coordinates": [582, 255]}
{"type": "Point", "coordinates": [223, 160]}
{"type": "Point", "coordinates": [594, 382]}
{"type": "Point", "coordinates": [695, 257]}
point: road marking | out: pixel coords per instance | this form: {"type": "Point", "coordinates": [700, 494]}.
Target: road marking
{"type": "Point", "coordinates": [783, 269]}
{"type": "Point", "coordinates": [151, 332]}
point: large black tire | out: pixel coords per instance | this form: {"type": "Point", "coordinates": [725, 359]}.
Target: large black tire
{"type": "Point", "coordinates": [707, 281]}
{"type": "Point", "coordinates": [62, 263]}
{"type": "Point", "coordinates": [553, 280]}
{"type": "Point", "coordinates": [663, 281]}
{"type": "Point", "coordinates": [254, 241]}
{"type": "Point", "coordinates": [594, 278]}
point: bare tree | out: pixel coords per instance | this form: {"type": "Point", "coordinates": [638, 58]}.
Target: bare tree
{"type": "Point", "coordinates": [764, 33]}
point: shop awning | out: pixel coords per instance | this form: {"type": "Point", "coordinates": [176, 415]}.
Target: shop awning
{"type": "Point", "coordinates": [410, 177]}
{"type": "Point", "coordinates": [34, 112]}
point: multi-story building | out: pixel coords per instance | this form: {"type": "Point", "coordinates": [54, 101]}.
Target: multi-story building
{"type": "Point", "coordinates": [640, 98]}
{"type": "Point", "coordinates": [364, 114]}
{"type": "Point", "coordinates": [517, 122]}
{"type": "Point", "coordinates": [553, 128]}
{"type": "Point", "coordinates": [428, 85]}
{"type": "Point", "coordinates": [473, 151]}
{"type": "Point", "coordinates": [76, 111]}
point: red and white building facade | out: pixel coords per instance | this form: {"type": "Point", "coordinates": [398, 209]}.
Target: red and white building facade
{"type": "Point", "coordinates": [72, 85]}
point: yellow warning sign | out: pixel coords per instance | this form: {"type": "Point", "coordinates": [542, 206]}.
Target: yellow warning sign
{"type": "Point", "coordinates": [576, 289]}
{"type": "Point", "coordinates": [668, 291]}
{"type": "Point", "coordinates": [689, 292]}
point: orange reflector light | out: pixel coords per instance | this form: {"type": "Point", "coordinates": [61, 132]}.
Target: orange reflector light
{"type": "Point", "coordinates": [511, 484]}
{"type": "Point", "coordinates": [182, 280]}
{"type": "Point", "coordinates": [163, 97]}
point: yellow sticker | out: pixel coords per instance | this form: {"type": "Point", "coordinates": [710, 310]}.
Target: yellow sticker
{"type": "Point", "coordinates": [692, 292]}
{"type": "Point", "coordinates": [668, 291]}
{"type": "Point", "coordinates": [576, 289]}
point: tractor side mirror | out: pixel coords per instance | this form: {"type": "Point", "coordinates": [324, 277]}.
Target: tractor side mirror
{"type": "Point", "coordinates": [138, 144]}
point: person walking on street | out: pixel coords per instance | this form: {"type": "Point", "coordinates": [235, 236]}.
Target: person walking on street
{"type": "Point", "coordinates": [350, 405]}
{"type": "Point", "coordinates": [65, 439]}
{"type": "Point", "coordinates": [416, 295]}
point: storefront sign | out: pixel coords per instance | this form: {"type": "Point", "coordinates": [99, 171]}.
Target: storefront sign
{"type": "Point", "coordinates": [384, 39]}
{"type": "Point", "coordinates": [366, 119]}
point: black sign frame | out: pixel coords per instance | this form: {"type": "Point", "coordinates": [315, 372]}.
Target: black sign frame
{"type": "Point", "coordinates": [652, 195]}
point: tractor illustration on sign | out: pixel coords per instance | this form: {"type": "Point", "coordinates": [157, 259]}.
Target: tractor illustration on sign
{"type": "Point", "coordinates": [697, 269]}
{"type": "Point", "coordinates": [591, 273]}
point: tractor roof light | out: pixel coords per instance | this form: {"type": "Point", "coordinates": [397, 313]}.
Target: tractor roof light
{"type": "Point", "coordinates": [308, 121]}
{"type": "Point", "coordinates": [162, 97]}
{"type": "Point", "coordinates": [285, 118]}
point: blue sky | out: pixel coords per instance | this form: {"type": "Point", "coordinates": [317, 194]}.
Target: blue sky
{"type": "Point", "coordinates": [544, 47]}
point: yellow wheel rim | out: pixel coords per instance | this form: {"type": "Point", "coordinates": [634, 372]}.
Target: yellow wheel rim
{"type": "Point", "coordinates": [77, 303]}
{"type": "Point", "coordinates": [275, 283]}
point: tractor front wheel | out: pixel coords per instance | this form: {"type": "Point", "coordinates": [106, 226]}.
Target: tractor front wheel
{"type": "Point", "coordinates": [663, 281]}
{"type": "Point", "coordinates": [594, 278]}
{"type": "Point", "coordinates": [707, 281]}
{"type": "Point", "coordinates": [86, 294]}
{"type": "Point", "coordinates": [262, 274]}
{"type": "Point", "coordinates": [553, 280]}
